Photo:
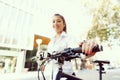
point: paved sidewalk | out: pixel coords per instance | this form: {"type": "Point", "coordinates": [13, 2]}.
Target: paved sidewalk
{"type": "Point", "coordinates": [113, 74]}
{"type": "Point", "coordinates": [94, 75]}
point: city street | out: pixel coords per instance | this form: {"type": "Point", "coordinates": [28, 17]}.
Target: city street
{"type": "Point", "coordinates": [113, 74]}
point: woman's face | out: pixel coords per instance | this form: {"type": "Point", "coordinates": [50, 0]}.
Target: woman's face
{"type": "Point", "coordinates": [58, 24]}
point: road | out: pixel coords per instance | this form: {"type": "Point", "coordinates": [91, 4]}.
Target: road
{"type": "Point", "coordinates": [113, 74]}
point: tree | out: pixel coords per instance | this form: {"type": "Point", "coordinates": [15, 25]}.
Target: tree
{"type": "Point", "coordinates": [106, 20]}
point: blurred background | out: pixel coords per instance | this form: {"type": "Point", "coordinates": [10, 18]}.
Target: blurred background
{"type": "Point", "coordinates": [23, 22]}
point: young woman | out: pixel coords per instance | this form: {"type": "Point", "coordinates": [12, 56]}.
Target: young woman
{"type": "Point", "coordinates": [59, 42]}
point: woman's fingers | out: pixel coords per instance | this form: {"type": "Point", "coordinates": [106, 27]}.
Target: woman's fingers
{"type": "Point", "coordinates": [83, 47]}
{"type": "Point", "coordinates": [90, 49]}
{"type": "Point", "coordinates": [42, 68]}
{"type": "Point", "coordinates": [87, 48]}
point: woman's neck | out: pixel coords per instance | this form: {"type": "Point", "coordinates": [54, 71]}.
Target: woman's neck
{"type": "Point", "coordinates": [58, 34]}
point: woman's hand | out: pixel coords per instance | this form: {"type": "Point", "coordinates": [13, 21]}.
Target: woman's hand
{"type": "Point", "coordinates": [42, 68]}
{"type": "Point", "coordinates": [87, 48]}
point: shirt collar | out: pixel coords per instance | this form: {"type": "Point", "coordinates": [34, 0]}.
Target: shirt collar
{"type": "Point", "coordinates": [63, 34]}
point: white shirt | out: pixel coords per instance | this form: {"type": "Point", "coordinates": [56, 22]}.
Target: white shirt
{"type": "Point", "coordinates": [65, 41]}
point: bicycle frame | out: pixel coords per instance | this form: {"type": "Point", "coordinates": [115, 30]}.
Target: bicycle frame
{"type": "Point", "coordinates": [61, 74]}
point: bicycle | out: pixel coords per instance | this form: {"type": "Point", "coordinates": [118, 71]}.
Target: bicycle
{"type": "Point", "coordinates": [68, 54]}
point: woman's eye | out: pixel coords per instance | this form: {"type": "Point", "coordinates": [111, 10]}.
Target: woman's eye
{"type": "Point", "coordinates": [53, 21]}
{"type": "Point", "coordinates": [58, 21]}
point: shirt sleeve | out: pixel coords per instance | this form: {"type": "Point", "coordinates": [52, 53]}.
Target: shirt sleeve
{"type": "Point", "coordinates": [49, 47]}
